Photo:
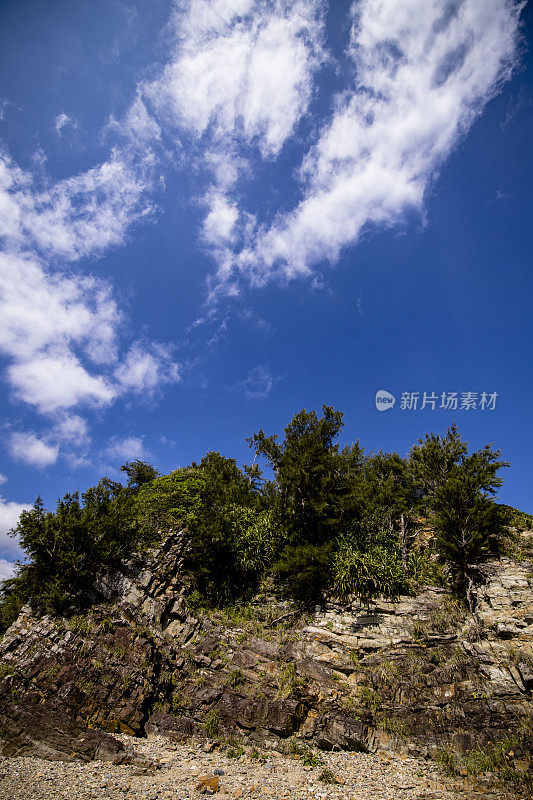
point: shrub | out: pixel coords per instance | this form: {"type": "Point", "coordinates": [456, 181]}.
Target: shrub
{"type": "Point", "coordinates": [212, 723]}
{"type": "Point", "coordinates": [327, 776]}
{"type": "Point", "coordinates": [366, 574]}
{"type": "Point", "coordinates": [235, 752]}
{"type": "Point", "coordinates": [235, 678]}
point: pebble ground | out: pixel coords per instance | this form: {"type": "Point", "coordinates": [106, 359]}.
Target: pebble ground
{"type": "Point", "coordinates": [270, 776]}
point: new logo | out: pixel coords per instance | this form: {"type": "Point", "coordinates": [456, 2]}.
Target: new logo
{"type": "Point", "coordinates": [384, 400]}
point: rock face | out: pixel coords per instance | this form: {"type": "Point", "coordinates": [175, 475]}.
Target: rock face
{"type": "Point", "coordinates": [417, 675]}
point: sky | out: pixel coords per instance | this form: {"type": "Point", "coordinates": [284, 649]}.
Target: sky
{"type": "Point", "coordinates": [215, 213]}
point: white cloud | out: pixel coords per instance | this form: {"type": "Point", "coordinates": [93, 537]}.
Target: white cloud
{"type": "Point", "coordinates": [146, 368]}
{"type": "Point", "coordinates": [60, 330]}
{"type": "Point", "coordinates": [44, 317]}
{"type": "Point", "coordinates": [69, 436]}
{"type": "Point", "coordinates": [242, 68]}
{"type": "Point", "coordinates": [219, 224]}
{"type": "Point", "coordinates": [241, 78]}
{"type": "Point", "coordinates": [9, 516]}
{"type": "Point", "coordinates": [40, 309]}
{"type": "Point", "coordinates": [238, 84]}
{"type": "Point", "coordinates": [225, 165]}
{"type": "Point", "coordinates": [78, 216]}
{"type": "Point", "coordinates": [28, 448]}
{"type": "Point", "coordinates": [4, 103]}
{"type": "Point", "coordinates": [3, 478]}
{"type": "Point", "coordinates": [424, 72]}
{"type": "Point", "coordinates": [7, 569]}
{"type": "Point", "coordinates": [138, 125]}
{"type": "Point", "coordinates": [258, 383]}
{"type": "Point", "coordinates": [57, 380]}
{"type": "Point", "coordinates": [131, 448]}
{"type": "Point", "coordinates": [63, 121]}
{"type": "Point", "coordinates": [73, 429]}
{"type": "Point", "coordinates": [71, 432]}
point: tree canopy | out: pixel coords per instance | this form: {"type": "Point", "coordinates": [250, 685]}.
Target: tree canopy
{"type": "Point", "coordinates": [331, 520]}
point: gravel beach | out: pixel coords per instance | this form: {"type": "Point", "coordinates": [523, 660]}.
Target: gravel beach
{"type": "Point", "coordinates": [185, 770]}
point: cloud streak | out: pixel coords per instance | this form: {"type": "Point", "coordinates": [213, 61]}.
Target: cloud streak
{"type": "Point", "coordinates": [259, 382]}
{"type": "Point", "coordinates": [241, 79]}
{"type": "Point", "coordinates": [9, 516]}
{"type": "Point", "coordinates": [60, 330]}
{"type": "Point", "coordinates": [130, 448]}
{"type": "Point", "coordinates": [423, 74]}
{"type": "Point", "coordinates": [241, 69]}
{"type": "Point", "coordinates": [7, 569]}
{"type": "Point", "coordinates": [79, 216]}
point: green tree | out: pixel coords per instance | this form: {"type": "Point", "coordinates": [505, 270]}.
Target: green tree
{"type": "Point", "coordinates": [305, 572]}
{"type": "Point", "coordinates": [366, 573]}
{"type": "Point", "coordinates": [308, 474]}
{"type": "Point", "coordinates": [308, 496]}
{"type": "Point", "coordinates": [388, 504]}
{"type": "Point", "coordinates": [139, 473]}
{"type": "Point", "coordinates": [66, 548]}
{"type": "Point", "coordinates": [456, 494]}
{"type": "Point", "coordinates": [467, 522]}
{"type": "Point", "coordinates": [432, 459]}
{"type": "Point", "coordinates": [228, 529]}
{"type": "Point", "coordinates": [169, 502]}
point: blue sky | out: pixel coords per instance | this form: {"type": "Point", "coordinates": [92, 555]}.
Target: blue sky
{"type": "Point", "coordinates": [214, 213]}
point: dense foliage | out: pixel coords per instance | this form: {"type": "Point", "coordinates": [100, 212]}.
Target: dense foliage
{"type": "Point", "coordinates": [329, 520]}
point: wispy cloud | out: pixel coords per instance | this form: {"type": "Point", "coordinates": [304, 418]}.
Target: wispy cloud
{"type": "Point", "coordinates": [64, 122]}
{"type": "Point", "coordinates": [9, 516]}
{"type": "Point", "coordinates": [241, 68]}
{"type": "Point", "coordinates": [259, 382]}
{"type": "Point", "coordinates": [241, 78]}
{"type": "Point", "coordinates": [47, 321]}
{"type": "Point", "coordinates": [4, 104]}
{"type": "Point", "coordinates": [7, 569]}
{"type": "Point", "coordinates": [57, 380]}
{"type": "Point", "coordinates": [61, 331]}
{"type": "Point", "coordinates": [130, 448]}
{"type": "Point", "coordinates": [73, 429]}
{"type": "Point", "coordinates": [424, 72]}
{"type": "Point", "coordinates": [138, 125]}
{"type": "Point", "coordinates": [68, 435]}
{"type": "Point", "coordinates": [516, 106]}
{"type": "Point", "coordinates": [79, 216]}
{"type": "Point", "coordinates": [146, 368]}
{"type": "Point", "coordinates": [238, 85]}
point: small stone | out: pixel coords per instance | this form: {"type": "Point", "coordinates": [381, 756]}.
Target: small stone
{"type": "Point", "coordinates": [218, 771]}
{"type": "Point", "coordinates": [206, 782]}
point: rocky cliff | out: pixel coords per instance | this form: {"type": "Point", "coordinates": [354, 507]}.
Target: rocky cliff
{"type": "Point", "coordinates": [419, 675]}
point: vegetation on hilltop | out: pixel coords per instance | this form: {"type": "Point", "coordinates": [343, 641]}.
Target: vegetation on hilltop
{"type": "Point", "coordinates": [330, 520]}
